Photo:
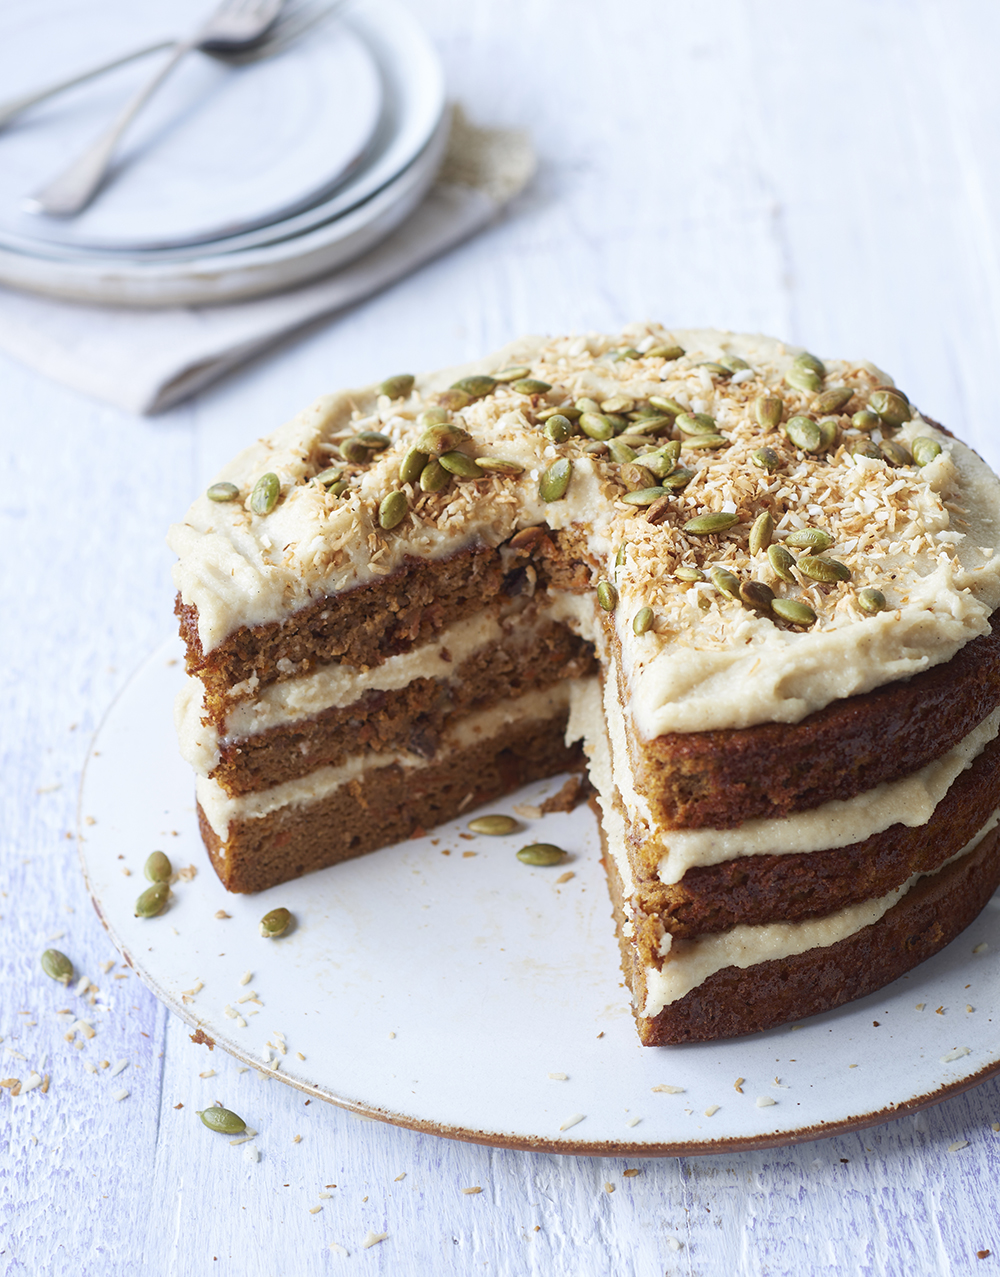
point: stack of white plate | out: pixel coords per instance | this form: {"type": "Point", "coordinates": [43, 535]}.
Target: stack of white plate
{"type": "Point", "coordinates": [235, 181]}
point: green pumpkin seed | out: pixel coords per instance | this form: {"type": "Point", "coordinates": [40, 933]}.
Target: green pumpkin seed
{"type": "Point", "coordinates": [57, 965]}
{"type": "Point", "coordinates": [809, 539]}
{"type": "Point", "coordinates": [664, 352]}
{"type": "Point", "coordinates": [152, 900]}
{"type": "Point", "coordinates": [555, 480]}
{"type": "Point", "coordinates": [804, 433]}
{"type": "Point", "coordinates": [761, 532]}
{"type": "Point", "coordinates": [757, 595]}
{"type": "Point", "coordinates": [659, 464]}
{"type": "Point", "coordinates": [924, 450]}
{"type": "Point", "coordinates": [706, 524]}
{"type": "Point", "coordinates": [512, 374]}
{"type": "Point", "coordinates": [714, 369]}
{"type": "Point", "coordinates": [607, 596]}
{"type": "Point", "coordinates": [617, 404]}
{"type": "Point", "coordinates": [530, 386]}
{"type": "Point", "coordinates": [643, 496]}
{"type": "Point", "coordinates": [866, 448]}
{"type": "Point", "coordinates": [670, 406]}
{"type": "Point", "coordinates": [492, 825]}
{"type": "Point", "coordinates": [397, 387]}
{"type": "Point", "coordinates": [586, 404]}
{"type": "Point", "coordinates": [677, 479]}
{"type": "Point", "coordinates": [275, 923]}
{"type": "Point", "coordinates": [393, 509]}
{"type": "Point", "coordinates": [781, 562]}
{"type": "Point", "coordinates": [659, 510]}
{"type": "Point", "coordinates": [412, 465]}
{"type": "Point", "coordinates": [766, 459]}
{"type": "Point", "coordinates": [559, 428]}
{"type": "Point", "coordinates": [619, 422]}
{"type": "Point", "coordinates": [696, 423]}
{"type": "Point", "coordinates": [374, 439]}
{"type": "Point", "coordinates": [541, 853]}
{"type": "Point", "coordinates": [657, 425]}
{"type": "Point", "coordinates": [223, 1121]}
{"type": "Point", "coordinates": [596, 426]}
{"type": "Point", "coordinates": [621, 556]}
{"type": "Point", "coordinates": [793, 611]}
{"type": "Point", "coordinates": [339, 488]}
{"type": "Point", "coordinates": [458, 463]}
{"type": "Point", "coordinates": [892, 407]}
{"type": "Point", "coordinates": [871, 601]}
{"type": "Point", "coordinates": [829, 571]}
{"type": "Point", "coordinates": [866, 421]}
{"type": "Point", "coordinates": [806, 379]}
{"type": "Point", "coordinates": [453, 400]}
{"type": "Point", "coordinates": [619, 452]}
{"type": "Point", "coordinates": [733, 363]}
{"type": "Point", "coordinates": [223, 492]}
{"type": "Point", "coordinates": [475, 387]}
{"type": "Point", "coordinates": [441, 437]}
{"type": "Point", "coordinates": [564, 410]}
{"type": "Point", "coordinates": [158, 867]}
{"type": "Point", "coordinates": [832, 400]}
{"type": "Point", "coordinates": [595, 448]}
{"type": "Point", "coordinates": [827, 432]}
{"type": "Point", "coordinates": [706, 441]}
{"type": "Point", "coordinates": [264, 497]}
{"type": "Point", "coordinates": [354, 451]}
{"type": "Point", "coordinates": [497, 465]}
{"type": "Point", "coordinates": [434, 417]}
{"type": "Point", "coordinates": [636, 477]}
{"type": "Point", "coordinates": [642, 622]}
{"type": "Point", "coordinates": [628, 352]}
{"type": "Point", "coordinates": [769, 410]}
{"type": "Point", "coordinates": [329, 476]}
{"type": "Point", "coordinates": [895, 453]}
{"type": "Point", "coordinates": [725, 582]}
{"type": "Point", "coordinates": [686, 572]}
{"type": "Point", "coordinates": [805, 360]}
{"type": "Point", "coordinates": [434, 477]}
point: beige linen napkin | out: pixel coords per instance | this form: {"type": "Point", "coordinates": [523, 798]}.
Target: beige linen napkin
{"type": "Point", "coordinates": [148, 360]}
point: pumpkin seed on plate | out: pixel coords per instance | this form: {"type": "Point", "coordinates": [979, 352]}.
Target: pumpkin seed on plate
{"type": "Point", "coordinates": [696, 423]}
{"type": "Point", "coordinates": [264, 496]}
{"type": "Point", "coordinates": [541, 853]}
{"type": "Point", "coordinates": [158, 867]}
{"type": "Point", "coordinates": [664, 352]}
{"type": "Point", "coordinates": [659, 510]}
{"type": "Point", "coordinates": [374, 439]}
{"type": "Point", "coordinates": [223, 492]}
{"type": "Point", "coordinates": [827, 432]}
{"type": "Point", "coordinates": [596, 426]}
{"type": "Point", "coordinates": [726, 582]}
{"type": "Point", "coordinates": [766, 459]}
{"type": "Point", "coordinates": [152, 900]}
{"type": "Point", "coordinates": [895, 453]}
{"type": "Point", "coordinates": [809, 538]}
{"type": "Point", "coordinates": [665, 404]}
{"type": "Point", "coordinates": [636, 477]}
{"type": "Point", "coordinates": [492, 825]}
{"type": "Point", "coordinates": [706, 524]}
{"type": "Point", "coordinates": [802, 378]}
{"type": "Point", "coordinates": [832, 400]}
{"type": "Point", "coordinates": [892, 407]}
{"type": "Point", "coordinates": [458, 463]}
{"type": "Point", "coordinates": [829, 571]}
{"type": "Point", "coordinates": [642, 622]}
{"type": "Point", "coordinates": [924, 450]}
{"type": "Point", "coordinates": [607, 596]}
{"type": "Point", "coordinates": [769, 410]}
{"type": "Point", "coordinates": [564, 410]}
{"type": "Point", "coordinates": [354, 450]}
{"type": "Point", "coordinates": [476, 386]}
{"type": "Point", "coordinates": [512, 374]}
{"type": "Point", "coordinates": [434, 477]}
{"type": "Point", "coordinates": [412, 464]}
{"type": "Point", "coordinates": [434, 417]}
{"type": "Point", "coordinates": [224, 1121]}
{"type": "Point", "coordinates": [628, 352]}
{"type": "Point", "coordinates": [559, 428]}
{"type": "Point", "coordinates": [805, 360]}
{"type": "Point", "coordinates": [714, 369]}
{"type": "Point", "coordinates": [871, 600]}
{"type": "Point", "coordinates": [555, 480]}
{"type": "Point", "coordinates": [441, 437]}
{"type": "Point", "coordinates": [57, 965]}
{"type": "Point", "coordinates": [793, 611]}
{"type": "Point", "coordinates": [733, 363]}
{"type": "Point", "coordinates": [706, 441]}
{"type": "Point", "coordinates": [497, 465]}
{"type": "Point", "coordinates": [643, 496]}
{"type": "Point", "coordinates": [866, 448]}
{"type": "Point", "coordinates": [687, 572]}
{"type": "Point", "coordinates": [620, 452]}
{"type": "Point", "coordinates": [530, 386]}
{"type": "Point", "coordinates": [781, 562]}
{"type": "Point", "coordinates": [757, 595]}
{"type": "Point", "coordinates": [329, 476]}
{"type": "Point", "coordinates": [804, 433]}
{"type": "Point", "coordinates": [677, 479]}
{"type": "Point", "coordinates": [761, 532]}
{"type": "Point", "coordinates": [617, 404]}
{"type": "Point", "coordinates": [453, 400]}
{"type": "Point", "coordinates": [392, 509]}
{"type": "Point", "coordinates": [275, 923]}
{"type": "Point", "coordinates": [866, 421]}
{"type": "Point", "coordinates": [586, 404]}
{"type": "Point", "coordinates": [397, 387]}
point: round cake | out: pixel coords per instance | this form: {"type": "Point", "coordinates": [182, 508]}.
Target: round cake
{"type": "Point", "coordinates": [748, 589]}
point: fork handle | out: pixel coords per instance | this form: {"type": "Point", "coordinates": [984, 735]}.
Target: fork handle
{"type": "Point", "coordinates": [13, 107]}
{"type": "Point", "coordinates": [77, 185]}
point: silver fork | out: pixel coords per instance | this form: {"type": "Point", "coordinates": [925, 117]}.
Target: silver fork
{"type": "Point", "coordinates": [235, 23]}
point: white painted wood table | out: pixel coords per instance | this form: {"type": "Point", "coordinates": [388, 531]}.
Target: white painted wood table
{"type": "Point", "coordinates": [826, 172]}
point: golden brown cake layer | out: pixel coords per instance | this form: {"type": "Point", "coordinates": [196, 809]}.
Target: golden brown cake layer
{"type": "Point", "coordinates": [789, 888]}
{"type": "Point", "coordinates": [719, 779]}
{"type": "Point", "coordinates": [410, 718]}
{"type": "Point", "coordinates": [389, 805]}
{"type": "Point", "coordinates": [364, 626]}
{"type": "Point", "coordinates": [736, 1001]}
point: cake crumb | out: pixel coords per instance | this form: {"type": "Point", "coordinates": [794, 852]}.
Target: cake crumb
{"type": "Point", "coordinates": [467, 854]}
{"type": "Point", "coordinates": [738, 1085]}
{"type": "Point", "coordinates": [207, 1073]}
{"type": "Point", "coordinates": [712, 1110]}
{"type": "Point", "coordinates": [221, 913]}
{"type": "Point", "coordinates": [968, 1008]}
{"type": "Point", "coordinates": [572, 1121]}
{"type": "Point", "coordinates": [246, 977]}
{"type": "Point", "coordinates": [959, 1144]}
{"type": "Point", "coordinates": [633, 1121]}
{"type": "Point", "coordinates": [982, 1254]}
{"type": "Point", "coordinates": [665, 1089]}
{"type": "Point", "coordinates": [391, 1034]}
{"type": "Point", "coordinates": [565, 877]}
{"type": "Point", "coordinates": [939, 1011]}
{"type": "Point", "coordinates": [559, 1077]}
{"type": "Point", "coordinates": [338, 1249]}
{"type": "Point", "coordinates": [630, 1174]}
{"type": "Point", "coordinates": [296, 1139]}
{"type": "Point", "coordinates": [955, 1053]}
{"type": "Point", "coordinates": [400, 1176]}
{"type": "Point", "coordinates": [608, 1186]}
{"type": "Point", "coordinates": [373, 1239]}
{"type": "Point", "coordinates": [981, 948]}
{"type": "Point", "coordinates": [674, 1243]}
{"type": "Point", "coordinates": [574, 791]}
{"type": "Point", "coordinates": [528, 811]}
{"type": "Point", "coordinates": [765, 1101]}
{"type": "Point", "coordinates": [315, 1210]}
{"type": "Point", "coordinates": [921, 1005]}
{"type": "Point", "coordinates": [468, 1191]}
{"type": "Point", "coordinates": [106, 966]}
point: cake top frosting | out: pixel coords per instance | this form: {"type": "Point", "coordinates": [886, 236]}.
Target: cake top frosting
{"type": "Point", "coordinates": [769, 532]}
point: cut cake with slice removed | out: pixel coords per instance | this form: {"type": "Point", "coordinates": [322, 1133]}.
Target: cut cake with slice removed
{"type": "Point", "coordinates": [751, 589]}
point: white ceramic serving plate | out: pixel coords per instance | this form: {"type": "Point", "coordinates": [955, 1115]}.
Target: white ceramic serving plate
{"type": "Point", "coordinates": [441, 991]}
{"type": "Point", "coordinates": [232, 277]}
{"type": "Point", "coordinates": [217, 151]}
{"type": "Point", "coordinates": [413, 104]}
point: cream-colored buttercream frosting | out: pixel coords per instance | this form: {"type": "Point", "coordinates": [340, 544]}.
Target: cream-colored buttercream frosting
{"type": "Point", "coordinates": [927, 538]}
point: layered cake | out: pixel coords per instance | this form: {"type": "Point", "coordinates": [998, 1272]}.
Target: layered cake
{"type": "Point", "coordinates": [748, 589]}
